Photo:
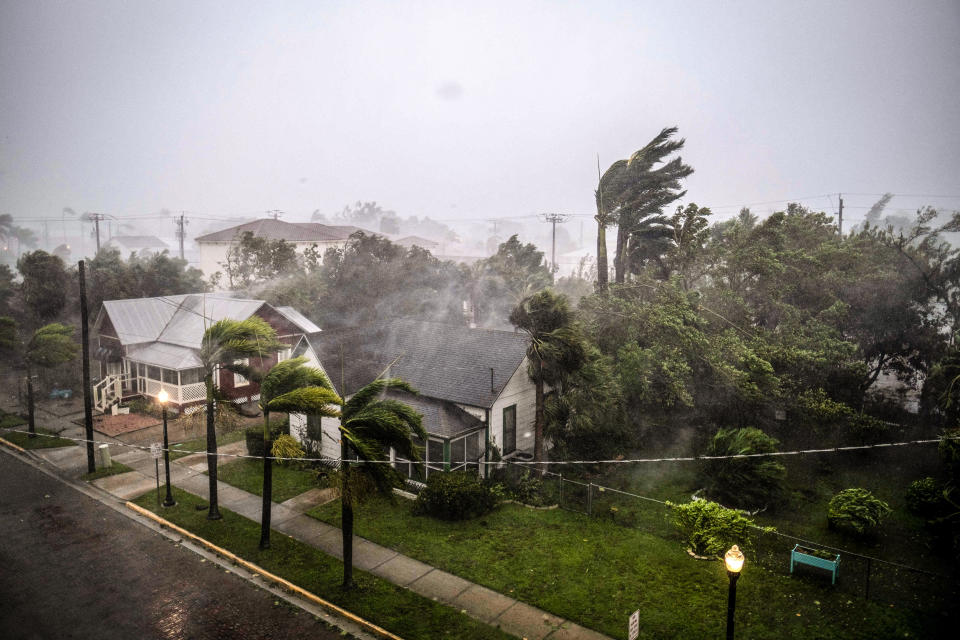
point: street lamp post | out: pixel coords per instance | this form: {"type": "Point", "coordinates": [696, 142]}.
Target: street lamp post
{"type": "Point", "coordinates": [163, 397]}
{"type": "Point", "coordinates": [734, 561]}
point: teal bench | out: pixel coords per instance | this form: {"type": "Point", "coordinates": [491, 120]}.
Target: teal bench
{"type": "Point", "coordinates": [798, 556]}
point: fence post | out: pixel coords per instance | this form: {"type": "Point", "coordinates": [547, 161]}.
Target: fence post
{"type": "Point", "coordinates": [589, 498]}
{"type": "Point", "coordinates": [560, 502]}
{"type": "Point", "coordinates": [867, 596]}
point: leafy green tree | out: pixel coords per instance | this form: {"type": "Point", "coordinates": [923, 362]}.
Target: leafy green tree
{"type": "Point", "coordinates": [299, 389]}
{"type": "Point", "coordinates": [110, 277]}
{"type": "Point", "coordinates": [45, 285]}
{"type": "Point", "coordinates": [254, 259]}
{"type": "Point", "coordinates": [710, 529]}
{"type": "Point", "coordinates": [557, 348]}
{"type": "Point", "coordinates": [223, 345]}
{"type": "Point", "coordinates": [743, 482]}
{"type": "Point", "coordinates": [514, 272]}
{"type": "Point", "coordinates": [48, 346]}
{"type": "Point", "coordinates": [369, 425]}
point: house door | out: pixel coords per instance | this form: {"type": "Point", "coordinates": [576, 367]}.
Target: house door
{"type": "Point", "coordinates": [510, 429]}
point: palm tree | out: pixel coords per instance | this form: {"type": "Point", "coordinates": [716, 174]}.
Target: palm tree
{"type": "Point", "coordinates": [632, 190]}
{"type": "Point", "coordinates": [223, 344]}
{"type": "Point", "coordinates": [556, 348]}
{"type": "Point", "coordinates": [369, 423]}
{"type": "Point", "coordinates": [299, 389]}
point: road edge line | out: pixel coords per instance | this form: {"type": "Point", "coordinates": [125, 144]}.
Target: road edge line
{"type": "Point", "coordinates": [229, 555]}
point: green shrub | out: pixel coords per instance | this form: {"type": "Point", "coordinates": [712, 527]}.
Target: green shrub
{"type": "Point", "coordinates": [949, 450]}
{"type": "Point", "coordinates": [286, 447]}
{"type": "Point", "coordinates": [925, 497]}
{"type": "Point", "coordinates": [254, 438]}
{"type": "Point", "coordinates": [456, 495]}
{"type": "Point", "coordinates": [743, 482]}
{"type": "Point", "coordinates": [857, 511]}
{"type": "Point", "coordinates": [711, 529]}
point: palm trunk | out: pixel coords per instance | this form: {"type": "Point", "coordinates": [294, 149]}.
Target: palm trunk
{"type": "Point", "coordinates": [620, 259]}
{"type": "Point", "coordinates": [602, 275]}
{"type": "Point", "coordinates": [31, 425]}
{"type": "Point", "coordinates": [267, 482]}
{"type": "Point", "coordinates": [346, 515]}
{"type": "Point", "coordinates": [538, 421]}
{"type": "Point", "coordinates": [214, 512]}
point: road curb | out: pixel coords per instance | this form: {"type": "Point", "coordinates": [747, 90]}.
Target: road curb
{"type": "Point", "coordinates": [256, 569]}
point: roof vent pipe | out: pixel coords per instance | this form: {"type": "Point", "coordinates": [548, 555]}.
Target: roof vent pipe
{"type": "Point", "coordinates": [493, 389]}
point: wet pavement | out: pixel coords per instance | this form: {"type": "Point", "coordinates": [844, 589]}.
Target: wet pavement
{"type": "Point", "coordinates": [71, 567]}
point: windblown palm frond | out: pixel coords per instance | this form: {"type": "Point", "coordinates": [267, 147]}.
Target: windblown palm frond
{"type": "Point", "coordinates": [364, 396]}
{"type": "Point", "coordinates": [289, 375]}
{"type": "Point", "coordinates": [310, 400]}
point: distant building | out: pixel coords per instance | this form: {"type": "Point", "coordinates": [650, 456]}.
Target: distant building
{"type": "Point", "coordinates": [303, 235]}
{"type": "Point", "coordinates": [141, 245]}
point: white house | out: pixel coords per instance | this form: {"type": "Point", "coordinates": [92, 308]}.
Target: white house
{"type": "Point", "coordinates": [148, 344]}
{"type": "Point", "coordinates": [142, 245]}
{"type": "Point", "coordinates": [474, 390]}
{"type": "Point", "coordinates": [303, 235]}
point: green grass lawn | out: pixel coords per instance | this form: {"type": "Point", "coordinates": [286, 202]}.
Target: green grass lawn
{"type": "Point", "coordinates": [247, 474]}
{"type": "Point", "coordinates": [200, 444]}
{"type": "Point", "coordinates": [114, 469]}
{"type": "Point", "coordinates": [394, 608]}
{"type": "Point", "coordinates": [597, 573]}
{"type": "Point", "coordinates": [47, 441]}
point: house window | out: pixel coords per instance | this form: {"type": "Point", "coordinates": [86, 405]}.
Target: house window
{"type": "Point", "coordinates": [434, 456]}
{"type": "Point", "coordinates": [170, 377]}
{"type": "Point", "coordinates": [154, 373]}
{"type": "Point", "coordinates": [191, 376]}
{"type": "Point", "coordinates": [239, 380]}
{"type": "Point", "coordinates": [510, 429]}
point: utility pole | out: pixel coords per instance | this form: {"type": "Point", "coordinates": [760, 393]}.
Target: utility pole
{"type": "Point", "coordinates": [181, 232]}
{"type": "Point", "coordinates": [276, 213]}
{"type": "Point", "coordinates": [554, 218]}
{"type": "Point", "coordinates": [97, 217]}
{"type": "Point", "coordinates": [840, 216]}
{"type": "Point", "coordinates": [87, 400]}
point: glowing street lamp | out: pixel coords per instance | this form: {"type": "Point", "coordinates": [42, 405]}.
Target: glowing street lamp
{"type": "Point", "coordinates": [734, 561]}
{"type": "Point", "coordinates": [162, 397]}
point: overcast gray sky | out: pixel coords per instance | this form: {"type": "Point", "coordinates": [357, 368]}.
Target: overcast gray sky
{"type": "Point", "coordinates": [466, 110]}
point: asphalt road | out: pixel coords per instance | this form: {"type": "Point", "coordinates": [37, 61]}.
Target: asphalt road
{"type": "Point", "coordinates": [71, 567]}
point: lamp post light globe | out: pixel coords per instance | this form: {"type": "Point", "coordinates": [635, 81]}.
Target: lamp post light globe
{"type": "Point", "coordinates": [733, 559]}
{"type": "Point", "coordinates": [162, 397]}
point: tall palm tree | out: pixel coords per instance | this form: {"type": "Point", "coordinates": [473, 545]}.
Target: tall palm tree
{"type": "Point", "coordinates": [369, 423]}
{"type": "Point", "coordinates": [223, 344]}
{"type": "Point", "coordinates": [556, 348]}
{"type": "Point", "coordinates": [632, 191]}
{"type": "Point", "coordinates": [299, 389]}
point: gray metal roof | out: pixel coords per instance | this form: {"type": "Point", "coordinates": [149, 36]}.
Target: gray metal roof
{"type": "Point", "coordinates": [442, 361]}
{"type": "Point", "coordinates": [197, 312]}
{"type": "Point", "coordinates": [179, 319]}
{"type": "Point", "coordinates": [168, 356]}
{"type": "Point", "coordinates": [271, 229]}
{"type": "Point", "coordinates": [298, 319]}
{"type": "Point", "coordinates": [440, 418]}
{"type": "Point", "coordinates": [138, 242]}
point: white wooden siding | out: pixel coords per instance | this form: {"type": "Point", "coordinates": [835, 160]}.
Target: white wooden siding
{"type": "Point", "coordinates": [520, 391]}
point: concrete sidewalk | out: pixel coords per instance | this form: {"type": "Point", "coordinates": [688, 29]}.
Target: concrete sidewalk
{"type": "Point", "coordinates": [187, 473]}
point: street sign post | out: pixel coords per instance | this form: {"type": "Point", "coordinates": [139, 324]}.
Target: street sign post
{"type": "Point", "coordinates": [156, 450]}
{"type": "Point", "coordinates": [634, 627]}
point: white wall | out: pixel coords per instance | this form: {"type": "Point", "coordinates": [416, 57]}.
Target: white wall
{"type": "Point", "coordinates": [520, 391]}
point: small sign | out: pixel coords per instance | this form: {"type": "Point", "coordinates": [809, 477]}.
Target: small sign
{"type": "Point", "coordinates": [634, 628]}
{"type": "Point", "coordinates": [156, 450]}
